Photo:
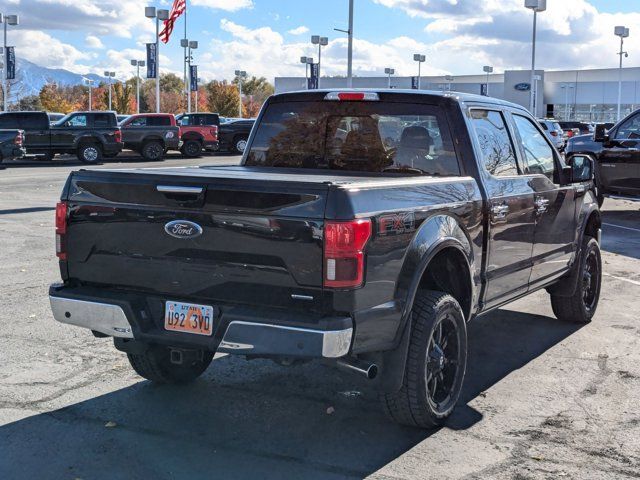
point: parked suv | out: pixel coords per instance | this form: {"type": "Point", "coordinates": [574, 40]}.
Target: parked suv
{"type": "Point", "coordinates": [151, 134]}
{"type": "Point", "coordinates": [199, 131]}
{"type": "Point", "coordinates": [338, 238]}
{"type": "Point", "coordinates": [554, 132]}
{"type": "Point", "coordinates": [616, 155]}
{"type": "Point", "coordinates": [89, 135]}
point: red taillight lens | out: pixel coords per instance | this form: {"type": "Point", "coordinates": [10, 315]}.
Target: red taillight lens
{"type": "Point", "coordinates": [19, 139]}
{"type": "Point", "coordinates": [351, 96]}
{"type": "Point", "coordinates": [344, 244]}
{"type": "Point", "coordinates": [214, 132]}
{"type": "Point", "coordinates": [118, 136]}
{"type": "Point", "coordinates": [61, 229]}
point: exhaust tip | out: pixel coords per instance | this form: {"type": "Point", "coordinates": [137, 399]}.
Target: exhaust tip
{"type": "Point", "coordinates": [372, 371]}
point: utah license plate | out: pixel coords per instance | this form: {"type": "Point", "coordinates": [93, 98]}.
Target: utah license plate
{"type": "Point", "coordinates": [188, 318]}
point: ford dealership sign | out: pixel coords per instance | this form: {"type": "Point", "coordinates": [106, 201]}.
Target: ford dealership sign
{"type": "Point", "coordinates": [522, 87]}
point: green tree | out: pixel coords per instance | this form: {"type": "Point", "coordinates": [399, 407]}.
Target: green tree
{"type": "Point", "coordinates": [222, 98]}
{"type": "Point", "coordinates": [28, 103]}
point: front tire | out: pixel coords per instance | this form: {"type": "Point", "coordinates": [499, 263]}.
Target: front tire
{"type": "Point", "coordinates": [435, 365]}
{"type": "Point", "coordinates": [90, 153]}
{"type": "Point", "coordinates": [191, 149]}
{"type": "Point", "coordinates": [582, 305]}
{"type": "Point", "coordinates": [155, 365]}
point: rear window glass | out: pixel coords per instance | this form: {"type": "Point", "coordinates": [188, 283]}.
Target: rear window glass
{"type": "Point", "coordinates": [373, 137]}
{"type": "Point", "coordinates": [102, 120]}
{"type": "Point", "coordinates": [33, 120]}
{"type": "Point", "coordinates": [159, 121]}
{"type": "Point", "coordinates": [8, 120]}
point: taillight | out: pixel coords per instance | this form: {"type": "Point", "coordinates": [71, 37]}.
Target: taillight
{"type": "Point", "coordinates": [19, 139]}
{"type": "Point", "coordinates": [554, 134]}
{"type": "Point", "coordinates": [214, 132]}
{"type": "Point", "coordinates": [344, 244]}
{"type": "Point", "coordinates": [61, 229]}
{"type": "Point", "coordinates": [118, 136]}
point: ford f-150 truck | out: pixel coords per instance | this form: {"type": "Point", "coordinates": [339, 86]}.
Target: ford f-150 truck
{"type": "Point", "coordinates": [615, 153]}
{"type": "Point", "coordinates": [364, 228]}
{"type": "Point", "coordinates": [89, 135]}
{"type": "Point", "coordinates": [151, 134]}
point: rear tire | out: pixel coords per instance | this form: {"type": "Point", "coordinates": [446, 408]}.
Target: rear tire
{"type": "Point", "coordinates": [152, 151]}
{"type": "Point", "coordinates": [239, 145]}
{"type": "Point", "coordinates": [90, 153]}
{"type": "Point", "coordinates": [582, 305]}
{"type": "Point", "coordinates": [155, 365]}
{"type": "Point", "coordinates": [435, 365]}
{"type": "Point", "coordinates": [191, 149]}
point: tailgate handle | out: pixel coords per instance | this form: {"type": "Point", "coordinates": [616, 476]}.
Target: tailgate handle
{"type": "Point", "coordinates": [179, 190]}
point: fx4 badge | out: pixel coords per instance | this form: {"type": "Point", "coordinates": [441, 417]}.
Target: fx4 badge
{"type": "Point", "coordinates": [396, 223]}
{"type": "Point", "coordinates": [183, 229]}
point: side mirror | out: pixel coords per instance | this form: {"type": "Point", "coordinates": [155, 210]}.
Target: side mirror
{"type": "Point", "coordinates": [581, 168]}
{"type": "Point", "coordinates": [600, 134]}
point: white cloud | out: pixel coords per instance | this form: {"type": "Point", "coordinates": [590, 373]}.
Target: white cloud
{"type": "Point", "coordinates": [56, 54]}
{"type": "Point", "coordinates": [301, 30]}
{"type": "Point", "coordinates": [93, 42]}
{"type": "Point", "coordinates": [228, 5]}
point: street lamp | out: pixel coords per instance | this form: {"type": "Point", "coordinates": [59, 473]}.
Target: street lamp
{"type": "Point", "coordinates": [240, 75]}
{"type": "Point", "coordinates": [190, 45]}
{"type": "Point", "coordinates": [420, 59]}
{"type": "Point", "coordinates": [306, 61]}
{"type": "Point", "coordinates": [7, 20]}
{"type": "Point", "coordinates": [537, 6]}
{"type": "Point", "coordinates": [321, 42]}
{"type": "Point", "coordinates": [160, 15]}
{"type": "Point", "coordinates": [349, 33]}
{"type": "Point", "coordinates": [89, 82]}
{"type": "Point", "coordinates": [389, 72]}
{"type": "Point", "coordinates": [566, 87]}
{"type": "Point", "coordinates": [109, 75]}
{"type": "Point", "coordinates": [138, 64]}
{"type": "Point", "coordinates": [622, 32]}
{"type": "Point", "coordinates": [488, 70]}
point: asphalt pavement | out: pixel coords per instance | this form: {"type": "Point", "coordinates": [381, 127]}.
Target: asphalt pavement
{"type": "Point", "coordinates": [542, 399]}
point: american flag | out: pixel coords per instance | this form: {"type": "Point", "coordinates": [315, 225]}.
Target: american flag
{"type": "Point", "coordinates": [179, 7]}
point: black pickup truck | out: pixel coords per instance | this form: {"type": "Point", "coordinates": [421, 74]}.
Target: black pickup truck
{"type": "Point", "coordinates": [89, 135]}
{"type": "Point", "coordinates": [151, 134]}
{"type": "Point", "coordinates": [615, 154]}
{"type": "Point", "coordinates": [365, 228]}
{"type": "Point", "coordinates": [233, 135]}
{"type": "Point", "coordinates": [11, 145]}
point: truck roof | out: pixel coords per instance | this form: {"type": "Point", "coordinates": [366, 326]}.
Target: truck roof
{"type": "Point", "coordinates": [455, 97]}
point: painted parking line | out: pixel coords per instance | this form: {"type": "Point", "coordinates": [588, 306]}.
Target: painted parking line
{"type": "Point", "coordinates": [624, 228]}
{"type": "Point", "coordinates": [633, 282]}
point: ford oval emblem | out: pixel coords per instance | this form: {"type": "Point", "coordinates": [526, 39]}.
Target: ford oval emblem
{"type": "Point", "coordinates": [183, 229]}
{"type": "Point", "coordinates": [522, 87]}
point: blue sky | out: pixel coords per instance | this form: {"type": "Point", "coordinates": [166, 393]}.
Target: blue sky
{"type": "Point", "coordinates": [267, 37]}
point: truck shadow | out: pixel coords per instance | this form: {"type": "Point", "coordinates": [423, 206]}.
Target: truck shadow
{"type": "Point", "coordinates": [255, 419]}
{"type": "Point", "coordinates": [621, 231]}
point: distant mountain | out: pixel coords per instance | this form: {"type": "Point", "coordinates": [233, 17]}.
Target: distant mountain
{"type": "Point", "coordinates": [30, 78]}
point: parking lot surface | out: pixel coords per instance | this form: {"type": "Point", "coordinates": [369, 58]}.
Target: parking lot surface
{"type": "Point", "coordinates": [542, 399]}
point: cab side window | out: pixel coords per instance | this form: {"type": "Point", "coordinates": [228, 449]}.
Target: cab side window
{"type": "Point", "coordinates": [629, 129]}
{"type": "Point", "coordinates": [78, 121]}
{"type": "Point", "coordinates": [495, 143]}
{"type": "Point", "coordinates": [538, 154]}
{"type": "Point", "coordinates": [101, 120]}
{"type": "Point", "coordinates": [138, 122]}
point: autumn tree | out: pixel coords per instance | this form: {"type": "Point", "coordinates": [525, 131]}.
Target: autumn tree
{"type": "Point", "coordinates": [222, 98]}
{"type": "Point", "coordinates": [28, 103]}
{"type": "Point", "coordinates": [54, 99]}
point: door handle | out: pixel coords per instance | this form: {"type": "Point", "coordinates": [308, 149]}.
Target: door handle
{"type": "Point", "coordinates": [499, 213]}
{"type": "Point", "coordinates": [179, 189]}
{"type": "Point", "coordinates": [541, 204]}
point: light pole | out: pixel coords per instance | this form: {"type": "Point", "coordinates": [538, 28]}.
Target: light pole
{"type": "Point", "coordinates": [110, 75]}
{"type": "Point", "coordinates": [138, 64]}
{"type": "Point", "coordinates": [420, 59]}
{"type": "Point", "coordinates": [160, 15]}
{"type": "Point", "coordinates": [7, 20]}
{"type": "Point", "coordinates": [321, 42]}
{"type": "Point", "coordinates": [566, 87]}
{"type": "Point", "coordinates": [488, 70]}
{"type": "Point", "coordinates": [90, 83]}
{"type": "Point", "coordinates": [622, 32]}
{"type": "Point", "coordinates": [349, 33]}
{"type": "Point", "coordinates": [537, 6]}
{"type": "Point", "coordinates": [389, 72]}
{"type": "Point", "coordinates": [241, 75]}
{"type": "Point", "coordinates": [193, 45]}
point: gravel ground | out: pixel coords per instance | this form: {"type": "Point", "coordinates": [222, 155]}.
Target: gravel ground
{"type": "Point", "coordinates": [542, 399]}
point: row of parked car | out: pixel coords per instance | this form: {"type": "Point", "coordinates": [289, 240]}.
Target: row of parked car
{"type": "Point", "coordinates": [95, 135]}
{"type": "Point", "coordinates": [559, 132]}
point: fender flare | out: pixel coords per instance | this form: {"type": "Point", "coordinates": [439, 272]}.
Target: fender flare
{"type": "Point", "coordinates": [90, 137]}
{"type": "Point", "coordinates": [192, 136]}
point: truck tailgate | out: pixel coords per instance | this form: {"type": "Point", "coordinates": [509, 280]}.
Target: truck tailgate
{"type": "Point", "coordinates": [237, 239]}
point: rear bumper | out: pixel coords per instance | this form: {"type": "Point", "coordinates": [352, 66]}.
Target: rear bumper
{"type": "Point", "coordinates": [12, 153]}
{"type": "Point", "coordinates": [212, 145]}
{"type": "Point", "coordinates": [239, 330]}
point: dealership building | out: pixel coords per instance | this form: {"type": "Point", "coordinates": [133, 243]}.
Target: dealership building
{"type": "Point", "coordinates": [587, 95]}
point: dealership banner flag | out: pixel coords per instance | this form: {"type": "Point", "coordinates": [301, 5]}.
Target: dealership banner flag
{"type": "Point", "coordinates": [313, 79]}
{"type": "Point", "coordinates": [414, 83]}
{"type": "Point", "coordinates": [10, 55]}
{"type": "Point", "coordinates": [484, 89]}
{"type": "Point", "coordinates": [152, 60]}
{"type": "Point", "coordinates": [193, 75]}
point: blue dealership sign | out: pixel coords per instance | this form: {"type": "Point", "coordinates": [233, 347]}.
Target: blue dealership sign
{"type": "Point", "coordinates": [523, 87]}
{"type": "Point", "coordinates": [152, 60]}
{"type": "Point", "coordinates": [193, 77]}
{"type": "Point", "coordinates": [484, 91]}
{"type": "Point", "coordinates": [313, 79]}
{"type": "Point", "coordinates": [414, 83]}
{"type": "Point", "coordinates": [10, 55]}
